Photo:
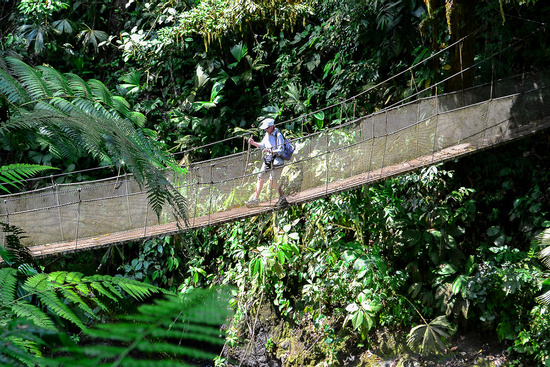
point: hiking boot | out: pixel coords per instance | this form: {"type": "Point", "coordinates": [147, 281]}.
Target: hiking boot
{"type": "Point", "coordinates": [252, 202]}
{"type": "Point", "coordinates": [282, 202]}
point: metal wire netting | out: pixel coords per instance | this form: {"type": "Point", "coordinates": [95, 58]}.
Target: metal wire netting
{"type": "Point", "coordinates": [364, 150]}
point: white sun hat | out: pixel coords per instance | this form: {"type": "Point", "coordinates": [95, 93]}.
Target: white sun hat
{"type": "Point", "coordinates": [267, 122]}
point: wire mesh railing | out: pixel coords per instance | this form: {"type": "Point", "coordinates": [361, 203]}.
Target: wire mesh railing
{"type": "Point", "coordinates": [363, 150]}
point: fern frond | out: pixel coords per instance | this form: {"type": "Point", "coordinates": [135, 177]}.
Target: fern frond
{"type": "Point", "coordinates": [157, 194]}
{"type": "Point", "coordinates": [58, 83]}
{"type": "Point", "coordinates": [159, 328]}
{"type": "Point", "coordinates": [31, 79]}
{"type": "Point", "coordinates": [135, 289]}
{"type": "Point", "coordinates": [92, 121]}
{"type": "Point", "coordinates": [79, 86]}
{"type": "Point", "coordinates": [34, 314]}
{"type": "Point", "coordinates": [36, 283]}
{"type": "Point", "coordinates": [113, 294]}
{"type": "Point", "coordinates": [72, 296]}
{"type": "Point", "coordinates": [100, 92]}
{"type": "Point", "coordinates": [14, 253]}
{"type": "Point", "coordinates": [12, 90]}
{"type": "Point", "coordinates": [51, 300]}
{"type": "Point", "coordinates": [21, 343]}
{"type": "Point", "coordinates": [74, 277]}
{"type": "Point", "coordinates": [9, 282]}
{"type": "Point", "coordinates": [14, 174]}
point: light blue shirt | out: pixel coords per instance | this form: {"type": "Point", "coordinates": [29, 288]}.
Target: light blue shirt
{"type": "Point", "coordinates": [275, 142]}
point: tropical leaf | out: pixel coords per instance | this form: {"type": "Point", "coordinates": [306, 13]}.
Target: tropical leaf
{"type": "Point", "coordinates": [63, 26]}
{"type": "Point", "coordinates": [60, 294]}
{"type": "Point", "coordinates": [238, 51]}
{"type": "Point", "coordinates": [12, 90]}
{"type": "Point", "coordinates": [430, 337]}
{"type": "Point", "coordinates": [92, 37]}
{"type": "Point", "coordinates": [132, 82]}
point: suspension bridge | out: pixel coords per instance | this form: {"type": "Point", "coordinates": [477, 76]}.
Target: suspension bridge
{"type": "Point", "coordinates": [430, 129]}
{"type": "Point", "coordinates": [73, 217]}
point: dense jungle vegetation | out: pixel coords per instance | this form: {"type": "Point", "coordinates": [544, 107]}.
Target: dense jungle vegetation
{"type": "Point", "coordinates": [89, 88]}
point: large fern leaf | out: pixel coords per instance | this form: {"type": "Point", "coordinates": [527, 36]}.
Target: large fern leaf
{"type": "Point", "coordinates": [31, 79]}
{"type": "Point", "coordinates": [26, 292]}
{"type": "Point", "coordinates": [12, 90]}
{"type": "Point", "coordinates": [156, 336]}
{"type": "Point", "coordinates": [74, 117]}
{"type": "Point", "coordinates": [58, 83]}
{"type": "Point", "coordinates": [9, 281]}
{"type": "Point", "coordinates": [33, 313]}
{"type": "Point", "coordinates": [14, 174]}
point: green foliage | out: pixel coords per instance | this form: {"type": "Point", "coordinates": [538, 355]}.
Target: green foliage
{"type": "Point", "coordinates": [14, 174]}
{"type": "Point", "coordinates": [165, 333]}
{"type": "Point", "coordinates": [162, 334]}
{"type": "Point", "coordinates": [543, 240]}
{"type": "Point", "coordinates": [157, 262]}
{"type": "Point", "coordinates": [21, 342]}
{"type": "Point", "coordinates": [73, 117]}
{"type": "Point", "coordinates": [50, 300]}
{"type": "Point", "coordinates": [430, 337]}
{"type": "Point", "coordinates": [363, 313]}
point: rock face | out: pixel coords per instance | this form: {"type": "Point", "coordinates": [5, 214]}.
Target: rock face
{"type": "Point", "coordinates": [269, 341]}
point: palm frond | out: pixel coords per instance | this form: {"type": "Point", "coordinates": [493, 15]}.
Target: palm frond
{"type": "Point", "coordinates": [543, 240]}
{"type": "Point", "coordinates": [100, 92]}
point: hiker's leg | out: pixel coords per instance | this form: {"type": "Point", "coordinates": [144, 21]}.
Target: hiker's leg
{"type": "Point", "coordinates": [275, 179]}
{"type": "Point", "coordinates": [259, 186]}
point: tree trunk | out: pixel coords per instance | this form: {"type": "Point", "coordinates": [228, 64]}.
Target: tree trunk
{"type": "Point", "coordinates": [462, 22]}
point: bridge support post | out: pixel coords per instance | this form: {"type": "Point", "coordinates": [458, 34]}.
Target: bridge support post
{"type": "Point", "coordinates": [385, 145]}
{"type": "Point", "coordinates": [326, 158]}
{"type": "Point", "coordinates": [145, 221]}
{"type": "Point", "coordinates": [7, 221]}
{"type": "Point", "coordinates": [77, 219]}
{"type": "Point", "coordinates": [210, 195]}
{"type": "Point", "coordinates": [56, 188]}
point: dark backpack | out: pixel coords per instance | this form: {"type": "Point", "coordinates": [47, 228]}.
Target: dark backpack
{"type": "Point", "coordinates": [288, 149]}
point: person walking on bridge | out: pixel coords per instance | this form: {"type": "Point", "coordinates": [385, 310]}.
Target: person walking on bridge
{"type": "Point", "coordinates": [272, 144]}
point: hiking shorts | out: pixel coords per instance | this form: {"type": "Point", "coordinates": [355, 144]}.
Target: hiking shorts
{"type": "Point", "coordinates": [273, 173]}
